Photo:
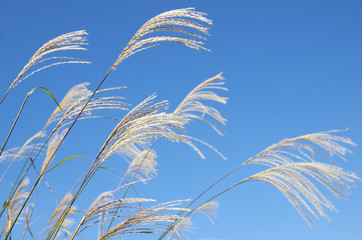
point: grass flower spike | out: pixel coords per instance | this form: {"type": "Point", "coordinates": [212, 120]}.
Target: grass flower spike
{"type": "Point", "coordinates": [145, 220]}
{"type": "Point", "coordinates": [295, 168]}
{"type": "Point", "coordinates": [77, 97]}
{"type": "Point", "coordinates": [69, 41]}
{"type": "Point", "coordinates": [193, 108]}
{"type": "Point", "coordinates": [292, 181]}
{"type": "Point", "coordinates": [68, 222]}
{"type": "Point", "coordinates": [15, 205]}
{"type": "Point", "coordinates": [52, 145]}
{"type": "Point", "coordinates": [144, 164]}
{"type": "Point", "coordinates": [178, 21]}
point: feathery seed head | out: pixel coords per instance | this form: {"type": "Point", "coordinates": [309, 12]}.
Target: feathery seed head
{"type": "Point", "coordinates": [74, 95]}
{"type": "Point", "coordinates": [193, 108]}
{"type": "Point", "coordinates": [292, 163]}
{"type": "Point", "coordinates": [75, 100]}
{"type": "Point", "coordinates": [52, 146]}
{"type": "Point", "coordinates": [209, 209]}
{"type": "Point", "coordinates": [179, 230]}
{"type": "Point", "coordinates": [68, 221]}
{"type": "Point", "coordinates": [291, 180]}
{"type": "Point", "coordinates": [179, 21]}
{"type": "Point", "coordinates": [304, 148]}
{"type": "Point", "coordinates": [145, 220]}
{"type": "Point", "coordinates": [143, 123]}
{"type": "Point", "coordinates": [144, 164]}
{"type": "Point", "coordinates": [15, 205]}
{"type": "Point", "coordinates": [69, 41]}
{"type": "Point", "coordinates": [22, 153]}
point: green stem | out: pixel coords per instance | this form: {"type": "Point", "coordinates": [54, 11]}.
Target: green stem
{"type": "Point", "coordinates": [15, 121]}
{"type": "Point", "coordinates": [4, 96]}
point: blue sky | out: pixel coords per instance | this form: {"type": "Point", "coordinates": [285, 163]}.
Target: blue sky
{"type": "Point", "coordinates": [291, 67]}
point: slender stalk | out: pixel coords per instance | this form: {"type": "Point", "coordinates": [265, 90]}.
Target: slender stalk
{"type": "Point", "coordinates": [4, 96]}
{"type": "Point", "coordinates": [31, 211]}
{"type": "Point", "coordinates": [15, 121]}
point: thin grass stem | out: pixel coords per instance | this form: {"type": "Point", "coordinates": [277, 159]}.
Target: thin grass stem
{"type": "Point", "coordinates": [15, 121]}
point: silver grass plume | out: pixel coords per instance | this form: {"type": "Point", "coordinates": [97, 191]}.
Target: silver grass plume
{"type": "Point", "coordinates": [69, 41]}
{"type": "Point", "coordinates": [75, 99]}
{"type": "Point", "coordinates": [303, 149]}
{"type": "Point", "coordinates": [9, 154]}
{"type": "Point", "coordinates": [190, 108]}
{"type": "Point", "coordinates": [180, 229]}
{"type": "Point", "coordinates": [26, 145]}
{"type": "Point", "coordinates": [52, 146]}
{"type": "Point", "coordinates": [143, 123]}
{"type": "Point", "coordinates": [97, 212]}
{"type": "Point", "coordinates": [193, 108]}
{"type": "Point", "coordinates": [144, 164]}
{"type": "Point", "coordinates": [15, 205]}
{"type": "Point", "coordinates": [208, 209]}
{"type": "Point", "coordinates": [101, 207]}
{"type": "Point", "coordinates": [23, 152]}
{"type": "Point", "coordinates": [101, 199]}
{"type": "Point", "coordinates": [73, 95]}
{"type": "Point", "coordinates": [179, 20]}
{"type": "Point", "coordinates": [68, 221]}
{"type": "Point", "coordinates": [292, 165]}
{"type": "Point", "coordinates": [145, 220]}
{"type": "Point", "coordinates": [291, 180]}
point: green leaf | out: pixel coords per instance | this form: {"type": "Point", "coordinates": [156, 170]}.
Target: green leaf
{"type": "Point", "coordinates": [51, 95]}
{"type": "Point", "coordinates": [64, 160]}
{"type": "Point", "coordinates": [105, 168]}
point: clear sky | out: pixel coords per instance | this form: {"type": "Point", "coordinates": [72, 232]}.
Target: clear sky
{"type": "Point", "coordinates": [291, 67]}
